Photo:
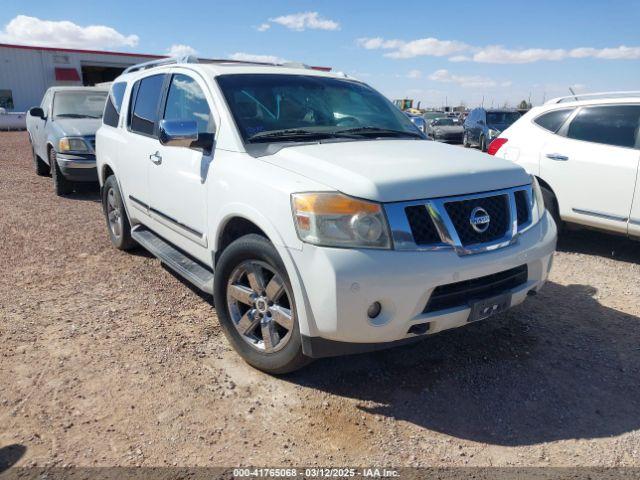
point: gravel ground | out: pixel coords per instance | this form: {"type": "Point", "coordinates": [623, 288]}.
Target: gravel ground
{"type": "Point", "coordinates": [106, 359]}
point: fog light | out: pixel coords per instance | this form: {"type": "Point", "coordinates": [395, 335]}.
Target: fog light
{"type": "Point", "coordinates": [374, 310]}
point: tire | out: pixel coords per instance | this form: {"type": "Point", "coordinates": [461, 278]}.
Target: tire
{"type": "Point", "coordinates": [551, 204]}
{"type": "Point", "coordinates": [465, 140]}
{"type": "Point", "coordinates": [115, 214]}
{"type": "Point", "coordinates": [483, 144]}
{"type": "Point", "coordinates": [251, 290]}
{"type": "Point", "coordinates": [42, 169]}
{"type": "Point", "coordinates": [61, 185]}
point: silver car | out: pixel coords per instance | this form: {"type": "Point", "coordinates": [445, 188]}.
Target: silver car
{"type": "Point", "coordinates": [445, 129]}
{"type": "Point", "coordinates": [62, 134]}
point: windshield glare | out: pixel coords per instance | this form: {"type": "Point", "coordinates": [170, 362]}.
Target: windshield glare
{"type": "Point", "coordinates": [502, 118]}
{"type": "Point", "coordinates": [445, 122]}
{"type": "Point", "coordinates": [262, 103]}
{"type": "Point", "coordinates": [79, 104]}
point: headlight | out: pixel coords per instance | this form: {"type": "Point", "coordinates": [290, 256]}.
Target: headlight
{"type": "Point", "coordinates": [67, 144]}
{"type": "Point", "coordinates": [538, 199]}
{"type": "Point", "coordinates": [493, 133]}
{"type": "Point", "coordinates": [336, 220]}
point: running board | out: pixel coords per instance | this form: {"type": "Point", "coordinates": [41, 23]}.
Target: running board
{"type": "Point", "coordinates": [173, 258]}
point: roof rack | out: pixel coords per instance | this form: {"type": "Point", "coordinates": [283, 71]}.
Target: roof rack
{"type": "Point", "coordinates": [578, 96]}
{"type": "Point", "coordinates": [194, 59]}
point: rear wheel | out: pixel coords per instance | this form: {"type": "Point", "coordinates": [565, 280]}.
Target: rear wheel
{"type": "Point", "coordinates": [256, 307]}
{"type": "Point", "coordinates": [42, 169]}
{"type": "Point", "coordinates": [61, 185]}
{"type": "Point", "coordinates": [551, 204]}
{"type": "Point", "coordinates": [116, 216]}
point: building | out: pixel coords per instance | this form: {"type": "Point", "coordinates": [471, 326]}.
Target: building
{"type": "Point", "coordinates": [26, 72]}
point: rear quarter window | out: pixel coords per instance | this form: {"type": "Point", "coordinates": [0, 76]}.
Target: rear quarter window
{"type": "Point", "coordinates": [114, 104]}
{"type": "Point", "coordinates": [553, 120]}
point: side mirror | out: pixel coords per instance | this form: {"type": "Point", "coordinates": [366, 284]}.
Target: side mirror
{"type": "Point", "coordinates": [36, 112]}
{"type": "Point", "coordinates": [178, 133]}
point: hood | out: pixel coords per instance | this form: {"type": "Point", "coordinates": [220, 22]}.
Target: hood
{"type": "Point", "coordinates": [78, 127]}
{"type": "Point", "coordinates": [399, 170]}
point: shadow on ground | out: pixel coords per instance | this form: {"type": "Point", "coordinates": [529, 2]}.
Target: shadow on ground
{"type": "Point", "coordinates": [562, 366]}
{"type": "Point", "coordinates": [601, 244]}
{"type": "Point", "coordinates": [10, 455]}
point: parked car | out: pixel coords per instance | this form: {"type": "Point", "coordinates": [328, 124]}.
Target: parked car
{"type": "Point", "coordinates": [431, 115]}
{"type": "Point", "coordinates": [585, 153]}
{"type": "Point", "coordinates": [482, 126]}
{"type": "Point", "coordinates": [448, 130]}
{"type": "Point", "coordinates": [418, 121]}
{"type": "Point", "coordinates": [62, 134]}
{"type": "Point", "coordinates": [320, 219]}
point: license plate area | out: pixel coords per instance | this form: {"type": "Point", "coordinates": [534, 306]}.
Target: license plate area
{"type": "Point", "coordinates": [483, 309]}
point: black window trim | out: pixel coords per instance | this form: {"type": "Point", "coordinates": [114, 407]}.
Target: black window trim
{"type": "Point", "coordinates": [565, 128]}
{"type": "Point", "coordinates": [565, 122]}
{"type": "Point", "coordinates": [132, 102]}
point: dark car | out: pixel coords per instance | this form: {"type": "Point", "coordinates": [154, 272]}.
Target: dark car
{"type": "Point", "coordinates": [445, 129]}
{"type": "Point", "coordinates": [483, 125]}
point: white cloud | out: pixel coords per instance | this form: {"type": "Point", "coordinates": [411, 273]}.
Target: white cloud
{"type": "Point", "coordinates": [26, 30]}
{"type": "Point", "coordinates": [306, 20]}
{"type": "Point", "coordinates": [471, 81]}
{"type": "Point", "coordinates": [250, 57]}
{"type": "Point", "coordinates": [263, 27]}
{"type": "Point", "coordinates": [462, 52]}
{"type": "Point", "coordinates": [414, 74]}
{"type": "Point", "coordinates": [415, 48]}
{"type": "Point", "coordinates": [180, 50]}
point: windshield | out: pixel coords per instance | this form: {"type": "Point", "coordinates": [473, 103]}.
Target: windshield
{"type": "Point", "coordinates": [79, 104]}
{"type": "Point", "coordinates": [446, 122]}
{"type": "Point", "coordinates": [292, 107]}
{"type": "Point", "coordinates": [502, 118]}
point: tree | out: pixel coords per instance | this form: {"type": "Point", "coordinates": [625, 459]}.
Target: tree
{"type": "Point", "coordinates": [524, 105]}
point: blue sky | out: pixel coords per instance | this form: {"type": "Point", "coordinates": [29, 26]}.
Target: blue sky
{"type": "Point", "coordinates": [458, 50]}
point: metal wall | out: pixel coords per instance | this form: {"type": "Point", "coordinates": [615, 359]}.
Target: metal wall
{"type": "Point", "coordinates": [29, 72]}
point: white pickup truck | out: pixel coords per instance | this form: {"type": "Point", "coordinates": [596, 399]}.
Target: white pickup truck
{"type": "Point", "coordinates": [319, 217]}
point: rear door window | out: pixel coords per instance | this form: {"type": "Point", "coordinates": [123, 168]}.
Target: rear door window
{"type": "Point", "coordinates": [114, 103]}
{"type": "Point", "coordinates": [607, 124]}
{"type": "Point", "coordinates": [144, 114]}
{"type": "Point", "coordinates": [553, 120]}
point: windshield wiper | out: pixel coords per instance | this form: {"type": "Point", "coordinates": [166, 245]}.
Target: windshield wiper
{"type": "Point", "coordinates": [289, 134]}
{"type": "Point", "coordinates": [379, 132]}
{"type": "Point", "coordinates": [75, 115]}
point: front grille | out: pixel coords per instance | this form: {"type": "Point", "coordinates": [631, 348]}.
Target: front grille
{"type": "Point", "coordinates": [462, 293]}
{"type": "Point", "coordinates": [522, 207]}
{"type": "Point", "coordinates": [422, 227]}
{"type": "Point", "coordinates": [496, 206]}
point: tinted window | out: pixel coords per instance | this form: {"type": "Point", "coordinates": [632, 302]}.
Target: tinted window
{"type": "Point", "coordinates": [145, 111]}
{"type": "Point", "coordinates": [186, 101]}
{"type": "Point", "coordinates": [611, 125]}
{"type": "Point", "coordinates": [552, 121]}
{"type": "Point", "coordinates": [114, 103]}
{"type": "Point", "coordinates": [502, 118]}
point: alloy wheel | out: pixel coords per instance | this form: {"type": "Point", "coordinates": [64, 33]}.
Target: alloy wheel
{"type": "Point", "coordinates": [260, 306]}
{"type": "Point", "coordinates": [114, 214]}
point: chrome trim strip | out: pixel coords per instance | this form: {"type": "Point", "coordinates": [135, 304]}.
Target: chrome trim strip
{"type": "Point", "coordinates": [76, 162]}
{"type": "Point", "coordinates": [606, 216]}
{"type": "Point", "coordinates": [634, 221]}
{"type": "Point", "coordinates": [450, 240]}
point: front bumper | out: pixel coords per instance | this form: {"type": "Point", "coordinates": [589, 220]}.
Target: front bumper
{"type": "Point", "coordinates": [78, 168]}
{"type": "Point", "coordinates": [338, 285]}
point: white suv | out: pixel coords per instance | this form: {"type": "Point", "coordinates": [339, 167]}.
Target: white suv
{"type": "Point", "coordinates": [319, 217]}
{"type": "Point", "coordinates": [585, 151]}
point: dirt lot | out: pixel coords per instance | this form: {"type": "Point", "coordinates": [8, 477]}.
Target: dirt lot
{"type": "Point", "coordinates": [106, 358]}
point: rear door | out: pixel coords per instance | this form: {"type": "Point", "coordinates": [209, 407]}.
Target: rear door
{"type": "Point", "coordinates": [177, 182]}
{"type": "Point", "coordinates": [141, 146]}
{"type": "Point", "coordinates": [592, 165]}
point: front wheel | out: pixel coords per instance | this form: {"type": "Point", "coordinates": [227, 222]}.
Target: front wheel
{"type": "Point", "coordinates": [42, 169]}
{"type": "Point", "coordinates": [256, 307]}
{"type": "Point", "coordinates": [551, 204]}
{"type": "Point", "coordinates": [465, 140]}
{"type": "Point", "coordinates": [61, 185]}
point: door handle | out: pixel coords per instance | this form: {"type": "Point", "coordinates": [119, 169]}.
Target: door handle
{"type": "Point", "coordinates": [557, 156]}
{"type": "Point", "coordinates": [156, 158]}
